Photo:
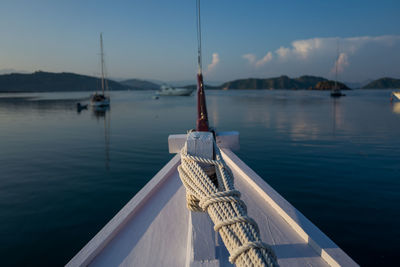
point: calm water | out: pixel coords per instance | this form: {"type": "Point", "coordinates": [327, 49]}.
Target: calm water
{"type": "Point", "coordinates": [64, 174]}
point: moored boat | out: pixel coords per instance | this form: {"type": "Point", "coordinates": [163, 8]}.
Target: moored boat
{"type": "Point", "coordinates": [101, 99]}
{"type": "Point", "coordinates": [336, 92]}
{"type": "Point", "coordinates": [396, 94]}
{"type": "Point", "coordinates": [166, 90]}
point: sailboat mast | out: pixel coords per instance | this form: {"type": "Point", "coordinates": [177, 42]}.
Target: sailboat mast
{"type": "Point", "coordinates": [102, 62]}
{"type": "Point", "coordinates": [202, 117]}
{"type": "Point", "coordinates": [336, 64]}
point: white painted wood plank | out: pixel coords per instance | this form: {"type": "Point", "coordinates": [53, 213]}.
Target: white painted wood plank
{"type": "Point", "coordinates": [101, 239]}
{"type": "Point", "coordinates": [176, 142]}
{"type": "Point", "coordinates": [200, 144]}
{"type": "Point", "coordinates": [289, 247]}
{"type": "Point", "coordinates": [201, 241]}
{"type": "Point", "coordinates": [224, 140]}
{"type": "Point", "coordinates": [322, 245]}
{"type": "Point", "coordinates": [201, 237]}
{"type": "Point", "coordinates": [228, 140]}
{"type": "Point", "coordinates": [155, 236]}
{"type": "Point", "coordinates": [153, 230]}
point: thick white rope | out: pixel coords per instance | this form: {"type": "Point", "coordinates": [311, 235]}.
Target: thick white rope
{"type": "Point", "coordinates": [228, 212]}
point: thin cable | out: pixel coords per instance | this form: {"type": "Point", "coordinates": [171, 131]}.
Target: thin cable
{"type": "Point", "coordinates": [199, 61]}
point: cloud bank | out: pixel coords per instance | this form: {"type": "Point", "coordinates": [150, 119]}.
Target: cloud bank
{"type": "Point", "coordinates": [359, 57]}
{"type": "Point", "coordinates": [340, 63]}
{"type": "Point", "coordinates": [214, 63]}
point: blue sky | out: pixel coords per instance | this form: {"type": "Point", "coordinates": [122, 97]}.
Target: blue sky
{"type": "Point", "coordinates": [151, 39]}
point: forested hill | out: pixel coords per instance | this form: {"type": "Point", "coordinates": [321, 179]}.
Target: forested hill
{"type": "Point", "coordinates": [383, 83]}
{"type": "Point", "coordinates": [41, 81]}
{"type": "Point", "coordinates": [138, 84]}
{"type": "Point", "coordinates": [282, 82]}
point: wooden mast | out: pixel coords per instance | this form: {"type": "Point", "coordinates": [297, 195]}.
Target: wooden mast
{"type": "Point", "coordinates": [202, 117]}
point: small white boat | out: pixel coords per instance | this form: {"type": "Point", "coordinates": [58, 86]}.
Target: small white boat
{"type": "Point", "coordinates": [156, 228]}
{"type": "Point", "coordinates": [396, 94]}
{"type": "Point", "coordinates": [166, 90]}
{"type": "Point", "coordinates": [101, 99]}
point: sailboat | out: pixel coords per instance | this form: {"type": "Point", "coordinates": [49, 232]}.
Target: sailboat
{"type": "Point", "coordinates": [101, 100]}
{"type": "Point", "coordinates": [206, 207]}
{"type": "Point", "coordinates": [336, 92]}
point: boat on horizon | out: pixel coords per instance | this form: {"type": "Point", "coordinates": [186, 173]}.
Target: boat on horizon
{"type": "Point", "coordinates": [396, 94]}
{"type": "Point", "coordinates": [167, 90]}
{"type": "Point", "coordinates": [101, 99]}
{"type": "Point", "coordinates": [206, 207]}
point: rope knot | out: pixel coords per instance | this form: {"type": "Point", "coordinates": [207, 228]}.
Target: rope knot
{"type": "Point", "coordinates": [249, 245]}
{"type": "Point", "coordinates": [225, 196]}
{"type": "Point", "coordinates": [228, 212]}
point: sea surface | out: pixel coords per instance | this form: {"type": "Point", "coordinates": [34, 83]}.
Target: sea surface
{"type": "Point", "coordinates": [64, 174]}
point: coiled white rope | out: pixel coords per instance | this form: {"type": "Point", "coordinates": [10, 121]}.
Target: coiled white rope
{"type": "Point", "coordinates": [228, 212]}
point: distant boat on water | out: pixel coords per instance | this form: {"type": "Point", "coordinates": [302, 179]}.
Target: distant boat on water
{"type": "Point", "coordinates": [166, 90]}
{"type": "Point", "coordinates": [101, 99]}
{"type": "Point", "coordinates": [396, 94]}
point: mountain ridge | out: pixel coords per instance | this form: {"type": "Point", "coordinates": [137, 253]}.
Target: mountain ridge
{"type": "Point", "coordinates": [383, 83]}
{"type": "Point", "coordinates": [139, 84]}
{"type": "Point", "coordinates": [41, 81]}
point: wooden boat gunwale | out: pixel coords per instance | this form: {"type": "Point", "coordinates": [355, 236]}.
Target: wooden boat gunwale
{"type": "Point", "coordinates": [111, 229]}
{"type": "Point", "coordinates": [316, 239]}
{"type": "Point", "coordinates": [309, 232]}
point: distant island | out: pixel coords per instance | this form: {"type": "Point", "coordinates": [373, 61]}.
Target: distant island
{"type": "Point", "coordinates": [137, 84]}
{"type": "Point", "coordinates": [283, 82]}
{"type": "Point", "coordinates": [329, 85]}
{"type": "Point", "coordinates": [383, 83]}
{"type": "Point", "coordinates": [41, 81]}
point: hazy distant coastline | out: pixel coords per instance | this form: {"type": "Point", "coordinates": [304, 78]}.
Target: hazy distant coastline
{"type": "Point", "coordinates": [60, 82]}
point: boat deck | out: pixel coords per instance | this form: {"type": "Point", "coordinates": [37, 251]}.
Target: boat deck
{"type": "Point", "coordinates": [156, 229]}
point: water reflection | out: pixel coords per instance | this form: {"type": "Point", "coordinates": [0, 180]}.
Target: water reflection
{"type": "Point", "coordinates": [288, 114]}
{"type": "Point", "coordinates": [24, 103]}
{"type": "Point", "coordinates": [336, 114]}
{"type": "Point", "coordinates": [49, 155]}
{"type": "Point", "coordinates": [396, 107]}
{"type": "Point", "coordinates": [104, 113]}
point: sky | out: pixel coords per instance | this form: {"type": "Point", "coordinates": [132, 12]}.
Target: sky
{"type": "Point", "coordinates": [149, 39]}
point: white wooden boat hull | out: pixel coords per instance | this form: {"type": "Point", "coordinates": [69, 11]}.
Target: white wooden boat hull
{"type": "Point", "coordinates": [397, 95]}
{"type": "Point", "coordinates": [156, 229]}
{"type": "Point", "coordinates": [104, 103]}
{"type": "Point", "coordinates": [175, 92]}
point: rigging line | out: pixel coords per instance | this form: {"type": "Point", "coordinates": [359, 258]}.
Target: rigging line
{"type": "Point", "coordinates": [199, 62]}
{"type": "Point", "coordinates": [337, 62]}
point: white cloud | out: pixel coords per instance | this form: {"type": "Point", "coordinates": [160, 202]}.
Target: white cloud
{"type": "Point", "coordinates": [341, 63]}
{"type": "Point", "coordinates": [370, 57]}
{"type": "Point", "coordinates": [282, 52]}
{"type": "Point", "coordinates": [303, 48]}
{"type": "Point", "coordinates": [250, 57]}
{"type": "Point", "coordinates": [265, 59]}
{"type": "Point", "coordinates": [214, 62]}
